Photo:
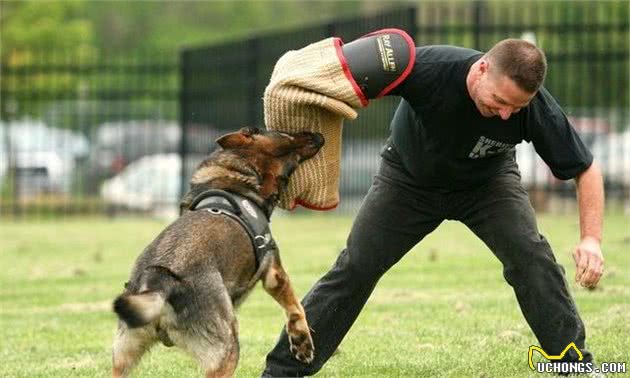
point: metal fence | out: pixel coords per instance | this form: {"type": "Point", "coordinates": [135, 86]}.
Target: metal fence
{"type": "Point", "coordinates": [92, 134]}
{"type": "Point", "coordinates": [70, 124]}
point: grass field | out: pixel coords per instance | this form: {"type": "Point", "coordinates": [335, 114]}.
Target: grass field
{"type": "Point", "coordinates": [444, 310]}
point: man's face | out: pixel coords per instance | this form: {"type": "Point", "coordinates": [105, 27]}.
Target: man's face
{"type": "Point", "coordinates": [495, 94]}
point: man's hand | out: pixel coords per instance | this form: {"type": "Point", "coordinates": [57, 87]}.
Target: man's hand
{"type": "Point", "coordinates": [589, 262]}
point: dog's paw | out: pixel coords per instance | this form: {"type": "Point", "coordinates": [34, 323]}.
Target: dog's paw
{"type": "Point", "coordinates": [302, 347]}
{"type": "Point", "coordinates": [301, 343]}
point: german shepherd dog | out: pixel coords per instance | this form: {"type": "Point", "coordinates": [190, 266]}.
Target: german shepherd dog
{"type": "Point", "coordinates": [186, 284]}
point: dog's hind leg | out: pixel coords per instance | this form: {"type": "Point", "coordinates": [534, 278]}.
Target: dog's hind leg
{"type": "Point", "coordinates": [276, 283]}
{"type": "Point", "coordinates": [208, 330]}
{"type": "Point", "coordinates": [129, 346]}
{"type": "Point", "coordinates": [229, 349]}
{"type": "Point", "coordinates": [215, 348]}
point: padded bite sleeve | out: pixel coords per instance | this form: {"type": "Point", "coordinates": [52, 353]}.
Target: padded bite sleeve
{"type": "Point", "coordinates": [380, 61]}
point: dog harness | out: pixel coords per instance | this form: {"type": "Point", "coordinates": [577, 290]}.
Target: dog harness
{"type": "Point", "coordinates": [249, 215]}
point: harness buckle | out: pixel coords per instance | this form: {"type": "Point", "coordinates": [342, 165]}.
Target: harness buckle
{"type": "Point", "coordinates": [261, 241]}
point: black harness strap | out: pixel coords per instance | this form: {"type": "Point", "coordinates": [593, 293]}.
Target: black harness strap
{"type": "Point", "coordinates": [245, 212]}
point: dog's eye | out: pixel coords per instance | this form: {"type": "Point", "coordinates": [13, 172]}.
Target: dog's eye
{"type": "Point", "coordinates": [250, 131]}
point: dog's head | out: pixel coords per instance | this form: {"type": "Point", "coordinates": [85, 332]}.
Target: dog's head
{"type": "Point", "coordinates": [296, 147]}
{"type": "Point", "coordinates": [275, 155]}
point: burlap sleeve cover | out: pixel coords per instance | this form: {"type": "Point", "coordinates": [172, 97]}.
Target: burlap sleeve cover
{"type": "Point", "coordinates": [312, 90]}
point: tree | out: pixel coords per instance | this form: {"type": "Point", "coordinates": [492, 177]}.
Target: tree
{"type": "Point", "coordinates": [44, 26]}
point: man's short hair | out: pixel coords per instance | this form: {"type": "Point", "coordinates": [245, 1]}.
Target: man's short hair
{"type": "Point", "coordinates": [521, 61]}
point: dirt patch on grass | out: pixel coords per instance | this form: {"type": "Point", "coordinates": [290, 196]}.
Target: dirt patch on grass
{"type": "Point", "coordinates": [73, 363]}
{"type": "Point", "coordinates": [84, 307]}
{"type": "Point", "coordinates": [87, 307]}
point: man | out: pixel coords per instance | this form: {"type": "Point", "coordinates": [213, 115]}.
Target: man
{"type": "Point", "coordinates": [451, 156]}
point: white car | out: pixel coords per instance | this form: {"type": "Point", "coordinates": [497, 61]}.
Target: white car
{"type": "Point", "coordinates": [116, 144]}
{"type": "Point", "coordinates": [359, 163]}
{"type": "Point", "coordinates": [150, 184]}
{"type": "Point", "coordinates": [4, 155]}
{"type": "Point", "coordinates": [146, 183]}
{"type": "Point", "coordinates": [534, 171]}
{"type": "Point", "coordinates": [44, 158]}
{"type": "Point", "coordinates": [613, 155]}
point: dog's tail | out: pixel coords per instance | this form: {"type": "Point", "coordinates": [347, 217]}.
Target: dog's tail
{"type": "Point", "coordinates": [138, 310]}
{"type": "Point", "coordinates": [141, 308]}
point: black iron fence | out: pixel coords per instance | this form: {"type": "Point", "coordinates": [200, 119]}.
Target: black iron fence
{"type": "Point", "coordinates": [89, 134]}
{"type": "Point", "coordinates": [71, 124]}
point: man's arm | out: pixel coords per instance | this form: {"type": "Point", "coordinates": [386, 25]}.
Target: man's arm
{"type": "Point", "coordinates": [588, 257]}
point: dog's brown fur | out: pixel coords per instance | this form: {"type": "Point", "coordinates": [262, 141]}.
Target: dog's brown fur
{"type": "Point", "coordinates": [186, 284]}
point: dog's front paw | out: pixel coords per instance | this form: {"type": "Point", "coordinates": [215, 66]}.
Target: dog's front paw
{"type": "Point", "coordinates": [300, 340]}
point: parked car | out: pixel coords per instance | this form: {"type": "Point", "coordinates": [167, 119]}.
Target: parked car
{"type": "Point", "coordinates": [4, 154]}
{"type": "Point", "coordinates": [118, 144]}
{"type": "Point", "coordinates": [590, 129]}
{"type": "Point", "coordinates": [359, 163]}
{"type": "Point", "coordinates": [534, 171]}
{"type": "Point", "coordinates": [149, 184]}
{"type": "Point", "coordinates": [613, 155]}
{"type": "Point", "coordinates": [43, 158]}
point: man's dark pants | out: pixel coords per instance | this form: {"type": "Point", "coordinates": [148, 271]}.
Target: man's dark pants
{"type": "Point", "coordinates": [393, 218]}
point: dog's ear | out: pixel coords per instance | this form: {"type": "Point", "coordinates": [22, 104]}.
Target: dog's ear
{"type": "Point", "coordinates": [240, 138]}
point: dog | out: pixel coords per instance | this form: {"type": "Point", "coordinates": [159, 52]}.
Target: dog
{"type": "Point", "coordinates": [186, 284]}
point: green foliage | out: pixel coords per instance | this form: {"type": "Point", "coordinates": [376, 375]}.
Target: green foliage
{"type": "Point", "coordinates": [118, 28]}
{"type": "Point", "coordinates": [44, 26]}
{"type": "Point", "coordinates": [443, 311]}
{"type": "Point", "coordinates": [53, 52]}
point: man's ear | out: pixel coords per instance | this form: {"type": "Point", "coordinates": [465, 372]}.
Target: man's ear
{"type": "Point", "coordinates": [235, 140]}
{"type": "Point", "coordinates": [484, 65]}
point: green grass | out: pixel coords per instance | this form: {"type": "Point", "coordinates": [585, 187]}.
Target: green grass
{"type": "Point", "coordinates": [444, 310]}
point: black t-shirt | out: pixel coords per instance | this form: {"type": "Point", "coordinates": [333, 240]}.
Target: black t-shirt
{"type": "Point", "coordinates": [444, 142]}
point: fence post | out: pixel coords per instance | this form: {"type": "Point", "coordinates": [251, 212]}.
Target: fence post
{"type": "Point", "coordinates": [413, 23]}
{"type": "Point", "coordinates": [478, 21]}
{"type": "Point", "coordinates": [183, 102]}
{"type": "Point", "coordinates": [252, 72]}
{"type": "Point", "coordinates": [331, 29]}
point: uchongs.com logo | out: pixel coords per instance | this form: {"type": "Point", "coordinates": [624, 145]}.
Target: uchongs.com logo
{"type": "Point", "coordinates": [556, 366]}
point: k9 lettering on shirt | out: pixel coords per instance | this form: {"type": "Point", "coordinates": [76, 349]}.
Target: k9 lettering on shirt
{"type": "Point", "coordinates": [486, 146]}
